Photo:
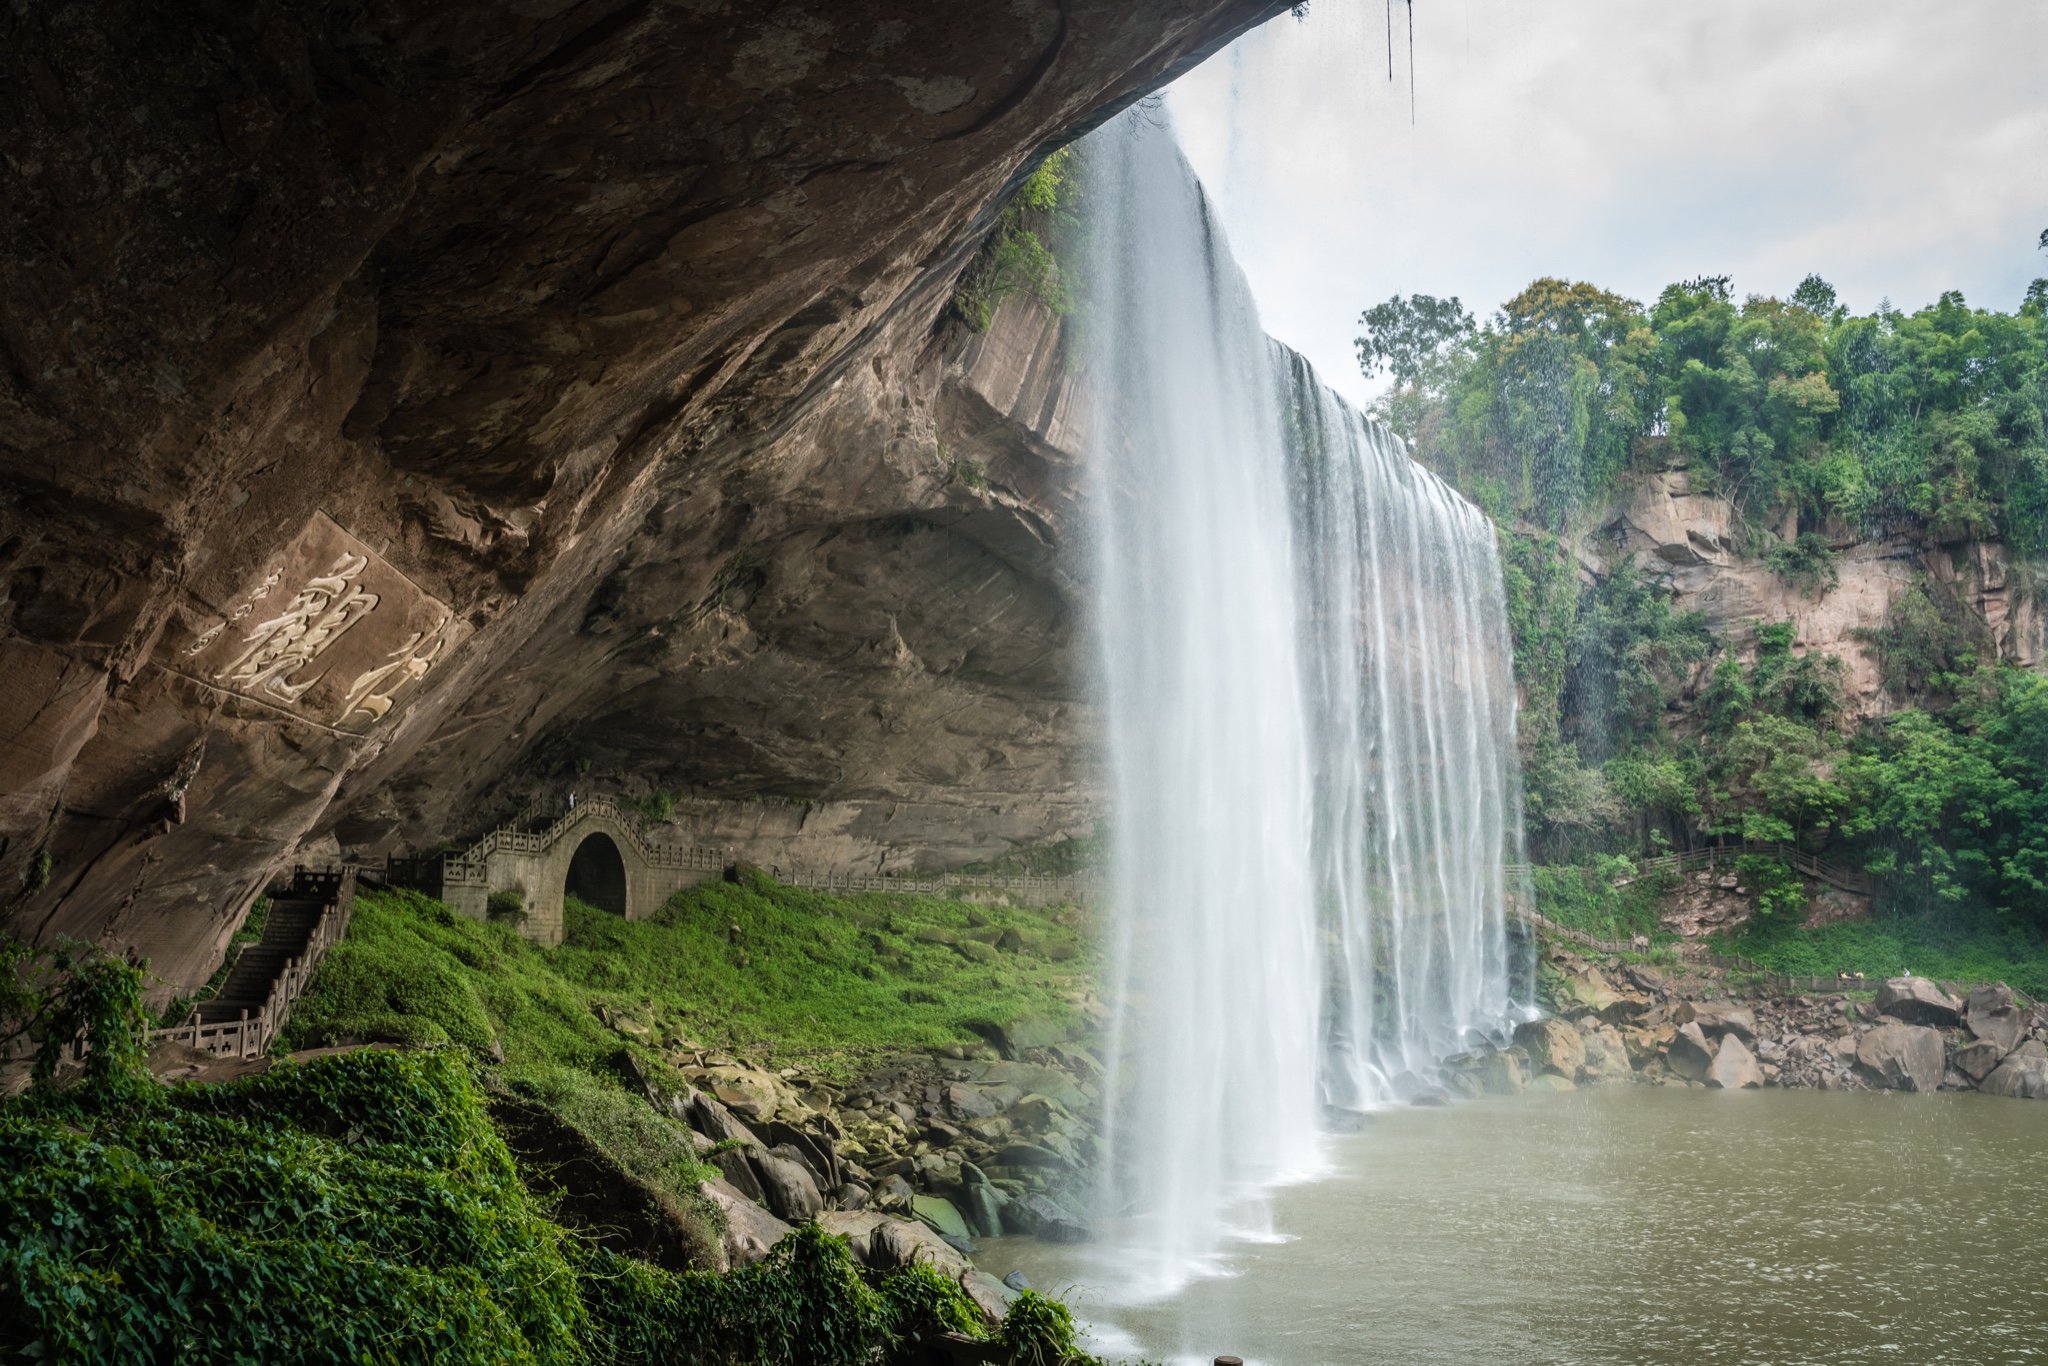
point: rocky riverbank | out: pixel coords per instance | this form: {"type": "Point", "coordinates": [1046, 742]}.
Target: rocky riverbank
{"type": "Point", "coordinates": [1625, 1022]}
{"type": "Point", "coordinates": [912, 1162]}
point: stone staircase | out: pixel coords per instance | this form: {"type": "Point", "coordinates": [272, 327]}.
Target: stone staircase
{"type": "Point", "coordinates": [287, 930]}
{"type": "Point", "coordinates": [306, 920]}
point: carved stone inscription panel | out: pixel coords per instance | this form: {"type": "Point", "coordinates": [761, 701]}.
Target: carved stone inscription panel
{"type": "Point", "coordinates": [329, 632]}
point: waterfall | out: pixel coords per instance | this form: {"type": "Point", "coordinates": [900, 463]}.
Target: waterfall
{"type": "Point", "coordinates": [1311, 733]}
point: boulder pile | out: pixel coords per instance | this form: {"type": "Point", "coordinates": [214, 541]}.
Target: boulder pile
{"type": "Point", "coordinates": [1628, 1023]}
{"type": "Point", "coordinates": [914, 1161]}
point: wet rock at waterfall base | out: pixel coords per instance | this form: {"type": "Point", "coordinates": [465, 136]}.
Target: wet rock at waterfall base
{"type": "Point", "coordinates": [1902, 1057]}
{"type": "Point", "coordinates": [1689, 1055]}
{"type": "Point", "coordinates": [1606, 1055]}
{"type": "Point", "coordinates": [1553, 1046]}
{"type": "Point", "coordinates": [1487, 1071]}
{"type": "Point", "coordinates": [1734, 1066]}
{"type": "Point", "coordinates": [1977, 1059]}
{"type": "Point", "coordinates": [942, 1215]}
{"type": "Point", "coordinates": [1046, 1218]}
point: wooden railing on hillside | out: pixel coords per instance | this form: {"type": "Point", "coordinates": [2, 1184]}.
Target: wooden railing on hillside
{"type": "Point", "coordinates": [1725, 855]}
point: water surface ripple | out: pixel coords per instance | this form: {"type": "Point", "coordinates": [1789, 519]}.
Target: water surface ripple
{"type": "Point", "coordinates": [1632, 1225]}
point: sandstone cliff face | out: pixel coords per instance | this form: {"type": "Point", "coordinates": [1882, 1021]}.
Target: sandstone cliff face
{"type": "Point", "coordinates": [1689, 539]}
{"type": "Point", "coordinates": [386, 385]}
{"type": "Point", "coordinates": [874, 619]}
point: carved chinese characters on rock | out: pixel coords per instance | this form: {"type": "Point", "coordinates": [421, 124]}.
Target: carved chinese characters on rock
{"type": "Point", "coordinates": [329, 632]}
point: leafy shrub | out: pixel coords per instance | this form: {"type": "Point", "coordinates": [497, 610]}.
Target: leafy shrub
{"type": "Point", "coordinates": [1779, 890]}
{"type": "Point", "coordinates": [1016, 258]}
{"type": "Point", "coordinates": [1808, 564]}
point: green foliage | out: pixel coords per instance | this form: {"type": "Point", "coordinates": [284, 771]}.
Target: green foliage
{"type": "Point", "coordinates": [507, 906]}
{"type": "Point", "coordinates": [1936, 419]}
{"type": "Point", "coordinates": [1808, 564]}
{"type": "Point", "coordinates": [1039, 1332]}
{"type": "Point", "coordinates": [655, 808]}
{"type": "Point", "coordinates": [1585, 897]}
{"type": "Point", "coordinates": [1804, 687]}
{"type": "Point", "coordinates": [95, 1000]}
{"type": "Point", "coordinates": [1016, 258]}
{"type": "Point", "coordinates": [1953, 809]}
{"type": "Point", "coordinates": [1931, 647]}
{"type": "Point", "coordinates": [1778, 889]}
{"type": "Point", "coordinates": [345, 1209]}
{"type": "Point", "coordinates": [362, 1208]}
{"type": "Point", "coordinates": [1967, 947]}
{"type": "Point", "coordinates": [1630, 653]}
{"type": "Point", "coordinates": [805, 977]}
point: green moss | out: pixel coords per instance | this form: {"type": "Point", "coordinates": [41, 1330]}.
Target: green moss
{"type": "Point", "coordinates": [1585, 897]}
{"type": "Point", "coordinates": [796, 976]}
{"type": "Point", "coordinates": [361, 1207]}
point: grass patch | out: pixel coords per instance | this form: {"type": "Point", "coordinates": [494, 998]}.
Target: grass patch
{"type": "Point", "coordinates": [1967, 948]}
{"type": "Point", "coordinates": [363, 1208]}
{"type": "Point", "coordinates": [1583, 897]}
{"type": "Point", "coordinates": [783, 974]}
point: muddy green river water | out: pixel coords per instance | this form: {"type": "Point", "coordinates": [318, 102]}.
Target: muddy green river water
{"type": "Point", "coordinates": [1629, 1224]}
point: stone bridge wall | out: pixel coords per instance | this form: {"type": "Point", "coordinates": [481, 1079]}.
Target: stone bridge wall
{"type": "Point", "coordinates": [536, 865]}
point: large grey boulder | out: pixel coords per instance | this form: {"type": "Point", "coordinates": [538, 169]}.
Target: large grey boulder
{"type": "Point", "coordinates": [738, 1168]}
{"type": "Point", "coordinates": [1917, 1001]}
{"type": "Point", "coordinates": [715, 1121]}
{"type": "Point", "coordinates": [1553, 1046]}
{"type": "Point", "coordinates": [1606, 1055]}
{"type": "Point", "coordinates": [2023, 1075]}
{"type": "Point", "coordinates": [1995, 1016]}
{"type": "Point", "coordinates": [1734, 1066]}
{"type": "Point", "coordinates": [1977, 1058]}
{"type": "Point", "coordinates": [1902, 1057]}
{"type": "Point", "coordinates": [788, 1186]}
{"type": "Point", "coordinates": [1047, 1218]}
{"type": "Point", "coordinates": [749, 1230]}
{"type": "Point", "coordinates": [1716, 1018]}
{"type": "Point", "coordinates": [1690, 1055]}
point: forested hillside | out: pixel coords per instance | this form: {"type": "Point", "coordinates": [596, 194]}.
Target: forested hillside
{"type": "Point", "coordinates": [1645, 725]}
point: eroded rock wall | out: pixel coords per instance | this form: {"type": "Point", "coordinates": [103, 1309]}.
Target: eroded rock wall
{"type": "Point", "coordinates": [362, 366]}
{"type": "Point", "coordinates": [1689, 539]}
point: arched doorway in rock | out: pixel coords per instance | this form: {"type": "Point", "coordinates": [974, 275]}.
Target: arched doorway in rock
{"type": "Point", "coordinates": [597, 874]}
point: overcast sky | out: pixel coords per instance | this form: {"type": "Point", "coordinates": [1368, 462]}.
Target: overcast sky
{"type": "Point", "coordinates": [1899, 149]}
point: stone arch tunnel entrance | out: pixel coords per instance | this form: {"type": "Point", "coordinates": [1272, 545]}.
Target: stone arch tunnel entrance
{"type": "Point", "coordinates": [597, 874]}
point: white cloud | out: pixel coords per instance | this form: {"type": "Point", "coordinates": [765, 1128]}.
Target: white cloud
{"type": "Point", "coordinates": [1899, 149]}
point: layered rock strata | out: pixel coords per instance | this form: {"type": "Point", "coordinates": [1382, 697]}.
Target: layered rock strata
{"type": "Point", "coordinates": [383, 390]}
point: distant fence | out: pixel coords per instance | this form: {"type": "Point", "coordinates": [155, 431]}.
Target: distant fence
{"type": "Point", "coordinates": [1725, 855]}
